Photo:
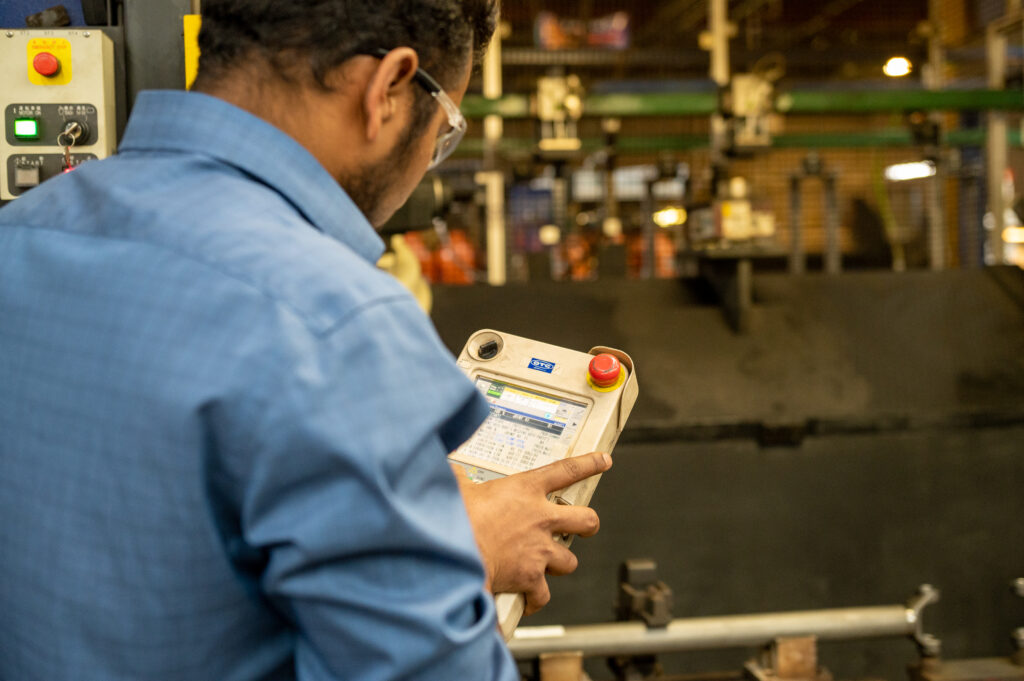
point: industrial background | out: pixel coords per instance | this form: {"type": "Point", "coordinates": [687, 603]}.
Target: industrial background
{"type": "Point", "coordinates": [803, 220]}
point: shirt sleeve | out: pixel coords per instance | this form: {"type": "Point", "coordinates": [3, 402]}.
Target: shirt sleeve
{"type": "Point", "coordinates": [347, 494]}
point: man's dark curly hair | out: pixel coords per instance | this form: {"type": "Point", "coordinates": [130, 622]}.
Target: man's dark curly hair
{"type": "Point", "coordinates": [306, 39]}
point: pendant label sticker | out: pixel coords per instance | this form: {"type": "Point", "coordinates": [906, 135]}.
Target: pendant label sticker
{"type": "Point", "coordinates": [542, 365]}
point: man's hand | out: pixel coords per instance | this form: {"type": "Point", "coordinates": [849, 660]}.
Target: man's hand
{"type": "Point", "coordinates": [514, 522]}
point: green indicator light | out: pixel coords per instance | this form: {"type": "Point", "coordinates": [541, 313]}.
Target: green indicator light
{"type": "Point", "coordinates": [27, 128]}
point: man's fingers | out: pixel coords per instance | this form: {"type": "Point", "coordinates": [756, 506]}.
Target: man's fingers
{"type": "Point", "coordinates": [567, 471]}
{"type": "Point", "coordinates": [574, 520]}
{"type": "Point", "coordinates": [537, 597]}
{"type": "Point", "coordinates": [562, 562]}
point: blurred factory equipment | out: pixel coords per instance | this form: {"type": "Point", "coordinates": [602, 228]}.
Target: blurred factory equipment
{"type": "Point", "coordinates": [744, 108]}
{"type": "Point", "coordinates": [559, 108]}
{"type": "Point", "coordinates": [444, 256]}
{"type": "Point", "coordinates": [750, 106]}
{"type": "Point", "coordinates": [1011, 668]}
{"type": "Point", "coordinates": [405, 258]}
{"type": "Point", "coordinates": [667, 180]}
{"type": "Point", "coordinates": [836, 453]}
{"type": "Point", "coordinates": [813, 167]}
{"type": "Point", "coordinates": [723, 241]}
{"type": "Point", "coordinates": [788, 640]}
{"type": "Point", "coordinates": [59, 99]}
{"type": "Point", "coordinates": [727, 236]}
{"type": "Point", "coordinates": [864, 406]}
{"type": "Point", "coordinates": [1011, 241]}
{"type": "Point", "coordinates": [430, 200]}
{"type": "Point", "coordinates": [403, 263]}
{"type": "Point", "coordinates": [912, 190]}
{"type": "Point", "coordinates": [492, 176]}
{"type": "Point", "coordinates": [997, 43]}
{"type": "Point", "coordinates": [732, 218]}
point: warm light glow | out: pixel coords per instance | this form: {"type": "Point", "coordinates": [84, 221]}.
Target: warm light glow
{"type": "Point", "coordinates": [549, 235]}
{"type": "Point", "coordinates": [667, 217]}
{"type": "Point", "coordinates": [612, 228]}
{"type": "Point", "coordinates": [910, 171]}
{"type": "Point", "coordinates": [897, 67]}
{"type": "Point", "coordinates": [1013, 235]}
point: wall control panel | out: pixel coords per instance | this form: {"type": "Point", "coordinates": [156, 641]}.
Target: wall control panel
{"type": "Point", "coordinates": [57, 98]}
{"type": "Point", "coordinates": [546, 403]}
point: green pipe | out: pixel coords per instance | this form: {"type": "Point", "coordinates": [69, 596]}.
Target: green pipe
{"type": "Point", "coordinates": [796, 102]}
{"type": "Point", "coordinates": [509, 106]}
{"type": "Point", "coordinates": [659, 104]}
{"type": "Point", "coordinates": [890, 137]}
{"type": "Point", "coordinates": [881, 101]}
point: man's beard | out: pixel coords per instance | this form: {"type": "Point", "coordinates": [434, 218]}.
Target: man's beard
{"type": "Point", "coordinates": [368, 186]}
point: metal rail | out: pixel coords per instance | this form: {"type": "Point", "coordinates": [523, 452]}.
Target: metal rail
{"type": "Point", "coordinates": [734, 631]}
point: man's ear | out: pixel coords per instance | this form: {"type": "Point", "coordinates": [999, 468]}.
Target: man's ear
{"type": "Point", "coordinates": [393, 74]}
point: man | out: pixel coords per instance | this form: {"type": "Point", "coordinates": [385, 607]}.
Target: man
{"type": "Point", "coordinates": [223, 432]}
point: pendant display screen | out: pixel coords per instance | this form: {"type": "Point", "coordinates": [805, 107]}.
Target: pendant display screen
{"type": "Point", "coordinates": [525, 429]}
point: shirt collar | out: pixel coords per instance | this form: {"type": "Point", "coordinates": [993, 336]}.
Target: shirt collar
{"type": "Point", "coordinates": [172, 120]}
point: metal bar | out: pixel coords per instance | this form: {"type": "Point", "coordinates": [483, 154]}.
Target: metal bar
{"type": "Point", "coordinates": [493, 178]}
{"type": "Point", "coordinates": [682, 59]}
{"type": "Point", "coordinates": [934, 79]}
{"type": "Point", "coordinates": [647, 268]}
{"type": "Point", "coordinates": [797, 262]}
{"type": "Point", "coordinates": [744, 300]}
{"type": "Point", "coordinates": [718, 27]}
{"type": "Point", "coordinates": [996, 151]}
{"type": "Point", "coordinates": [709, 633]}
{"type": "Point", "coordinates": [936, 221]}
{"type": "Point", "coordinates": [833, 255]}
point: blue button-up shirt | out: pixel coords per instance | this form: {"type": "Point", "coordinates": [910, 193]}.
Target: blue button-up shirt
{"type": "Point", "coordinates": [223, 432]}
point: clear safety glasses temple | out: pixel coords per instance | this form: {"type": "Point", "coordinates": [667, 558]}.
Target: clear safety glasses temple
{"type": "Point", "coordinates": [448, 140]}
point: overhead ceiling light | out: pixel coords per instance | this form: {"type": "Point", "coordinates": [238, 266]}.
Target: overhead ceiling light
{"type": "Point", "coordinates": [910, 171]}
{"type": "Point", "coordinates": [897, 67]}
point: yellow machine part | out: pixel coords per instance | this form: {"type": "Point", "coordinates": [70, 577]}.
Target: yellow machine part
{"type": "Point", "coordinates": [191, 24]}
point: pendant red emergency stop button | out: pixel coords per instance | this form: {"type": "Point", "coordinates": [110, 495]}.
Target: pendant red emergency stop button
{"type": "Point", "coordinates": [46, 64]}
{"type": "Point", "coordinates": [605, 370]}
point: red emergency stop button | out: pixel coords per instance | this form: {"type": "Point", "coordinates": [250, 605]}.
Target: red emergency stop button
{"type": "Point", "coordinates": [46, 64]}
{"type": "Point", "coordinates": [605, 370]}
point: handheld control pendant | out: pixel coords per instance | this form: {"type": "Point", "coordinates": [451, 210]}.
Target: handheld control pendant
{"type": "Point", "coordinates": [547, 403]}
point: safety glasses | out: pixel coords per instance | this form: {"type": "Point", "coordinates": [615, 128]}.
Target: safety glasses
{"type": "Point", "coordinates": [449, 139]}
